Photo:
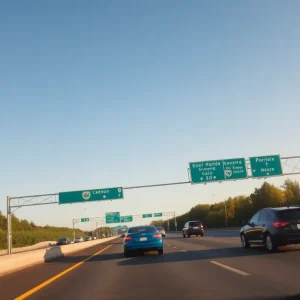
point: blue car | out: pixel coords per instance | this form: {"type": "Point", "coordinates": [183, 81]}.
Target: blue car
{"type": "Point", "coordinates": [143, 238]}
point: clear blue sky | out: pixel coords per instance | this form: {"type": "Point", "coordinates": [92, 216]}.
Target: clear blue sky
{"type": "Point", "coordinates": [119, 93]}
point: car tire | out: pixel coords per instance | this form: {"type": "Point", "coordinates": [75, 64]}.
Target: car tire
{"type": "Point", "coordinates": [202, 234]}
{"type": "Point", "coordinates": [184, 235]}
{"type": "Point", "coordinates": [197, 234]}
{"type": "Point", "coordinates": [189, 235]}
{"type": "Point", "coordinates": [160, 251]}
{"type": "Point", "coordinates": [269, 243]}
{"type": "Point", "coordinates": [244, 241]}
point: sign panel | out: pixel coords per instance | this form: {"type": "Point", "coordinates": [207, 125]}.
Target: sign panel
{"type": "Point", "coordinates": [84, 220]}
{"type": "Point", "coordinates": [266, 166]}
{"type": "Point", "coordinates": [126, 219]}
{"type": "Point", "coordinates": [147, 215]}
{"type": "Point", "coordinates": [218, 170]}
{"type": "Point", "coordinates": [90, 195]}
{"type": "Point", "coordinates": [112, 217]}
{"type": "Point", "coordinates": [158, 214]}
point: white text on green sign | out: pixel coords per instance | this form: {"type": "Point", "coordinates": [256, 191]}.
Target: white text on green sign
{"type": "Point", "coordinates": [147, 215]}
{"type": "Point", "coordinates": [112, 217]}
{"type": "Point", "coordinates": [266, 166]}
{"type": "Point", "coordinates": [124, 219]}
{"type": "Point", "coordinates": [218, 170]}
{"type": "Point", "coordinates": [91, 195]}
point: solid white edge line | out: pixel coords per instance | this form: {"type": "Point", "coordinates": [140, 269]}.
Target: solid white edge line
{"type": "Point", "coordinates": [230, 268]}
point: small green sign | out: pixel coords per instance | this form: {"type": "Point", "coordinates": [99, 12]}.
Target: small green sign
{"type": "Point", "coordinates": [218, 170]}
{"type": "Point", "coordinates": [147, 215]}
{"type": "Point", "coordinates": [84, 220]}
{"type": "Point", "coordinates": [158, 214]}
{"type": "Point", "coordinates": [90, 195]}
{"type": "Point", "coordinates": [266, 166]}
{"type": "Point", "coordinates": [116, 228]}
{"type": "Point", "coordinates": [112, 217]}
{"type": "Point", "coordinates": [124, 219]}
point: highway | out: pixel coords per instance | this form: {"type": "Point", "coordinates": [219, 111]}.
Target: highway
{"type": "Point", "coordinates": [211, 267]}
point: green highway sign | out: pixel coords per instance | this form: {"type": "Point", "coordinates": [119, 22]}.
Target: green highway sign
{"type": "Point", "coordinates": [158, 214]}
{"type": "Point", "coordinates": [90, 195]}
{"type": "Point", "coordinates": [265, 166]}
{"type": "Point", "coordinates": [84, 220]}
{"type": "Point", "coordinates": [124, 219]}
{"type": "Point", "coordinates": [147, 215]}
{"type": "Point", "coordinates": [218, 170]}
{"type": "Point", "coordinates": [112, 217]}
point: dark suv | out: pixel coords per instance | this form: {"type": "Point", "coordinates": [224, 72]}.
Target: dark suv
{"type": "Point", "coordinates": [193, 228]}
{"type": "Point", "coordinates": [273, 227]}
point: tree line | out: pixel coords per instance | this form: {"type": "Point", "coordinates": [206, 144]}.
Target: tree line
{"type": "Point", "coordinates": [27, 233]}
{"type": "Point", "coordinates": [236, 211]}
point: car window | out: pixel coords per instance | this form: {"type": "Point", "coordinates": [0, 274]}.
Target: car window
{"type": "Point", "coordinates": [195, 223]}
{"type": "Point", "coordinates": [159, 228]}
{"type": "Point", "coordinates": [141, 229]}
{"type": "Point", "coordinates": [255, 218]}
{"type": "Point", "coordinates": [263, 217]}
{"type": "Point", "coordinates": [289, 214]}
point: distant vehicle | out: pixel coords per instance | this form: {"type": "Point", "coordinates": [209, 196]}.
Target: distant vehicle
{"type": "Point", "coordinates": [143, 238]}
{"type": "Point", "coordinates": [161, 230]}
{"type": "Point", "coordinates": [88, 238]}
{"type": "Point", "coordinates": [63, 241]}
{"type": "Point", "coordinates": [193, 228]}
{"type": "Point", "coordinates": [273, 227]}
{"type": "Point", "coordinates": [123, 234]}
{"type": "Point", "coordinates": [94, 238]}
{"type": "Point", "coordinates": [78, 240]}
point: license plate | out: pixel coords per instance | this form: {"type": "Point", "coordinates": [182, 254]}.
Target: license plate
{"type": "Point", "coordinates": [298, 226]}
{"type": "Point", "coordinates": [143, 239]}
{"type": "Point", "coordinates": [196, 227]}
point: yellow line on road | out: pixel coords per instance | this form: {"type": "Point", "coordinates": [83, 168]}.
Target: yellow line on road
{"type": "Point", "coordinates": [47, 282]}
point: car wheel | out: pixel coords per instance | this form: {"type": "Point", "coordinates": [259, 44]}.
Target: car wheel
{"type": "Point", "coordinates": [269, 243]}
{"type": "Point", "coordinates": [244, 241]}
{"type": "Point", "coordinates": [184, 235]}
{"type": "Point", "coordinates": [160, 251]}
{"type": "Point", "coordinates": [202, 234]}
{"type": "Point", "coordinates": [189, 235]}
{"type": "Point", "coordinates": [197, 234]}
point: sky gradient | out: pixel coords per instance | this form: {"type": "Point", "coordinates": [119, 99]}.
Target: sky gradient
{"type": "Point", "coordinates": [122, 93]}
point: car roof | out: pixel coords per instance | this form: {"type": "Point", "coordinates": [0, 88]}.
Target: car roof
{"type": "Point", "coordinates": [282, 207]}
{"type": "Point", "coordinates": [141, 226]}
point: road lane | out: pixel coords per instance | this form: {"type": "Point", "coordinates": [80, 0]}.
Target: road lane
{"type": "Point", "coordinates": [280, 269]}
{"type": "Point", "coordinates": [17, 283]}
{"type": "Point", "coordinates": [208, 267]}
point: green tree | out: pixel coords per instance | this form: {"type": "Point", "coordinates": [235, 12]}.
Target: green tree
{"type": "Point", "coordinates": [291, 192]}
{"type": "Point", "coordinates": [267, 196]}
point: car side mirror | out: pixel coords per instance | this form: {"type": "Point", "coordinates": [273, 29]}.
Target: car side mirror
{"type": "Point", "coordinates": [251, 224]}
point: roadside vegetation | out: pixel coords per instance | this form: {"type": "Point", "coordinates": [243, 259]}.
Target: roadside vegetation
{"type": "Point", "coordinates": [239, 209]}
{"type": "Point", "coordinates": [27, 233]}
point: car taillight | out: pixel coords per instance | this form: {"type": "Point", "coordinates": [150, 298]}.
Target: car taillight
{"type": "Point", "coordinates": [190, 227]}
{"type": "Point", "coordinates": [201, 226]}
{"type": "Point", "coordinates": [127, 238]}
{"type": "Point", "coordinates": [157, 235]}
{"type": "Point", "coordinates": [280, 224]}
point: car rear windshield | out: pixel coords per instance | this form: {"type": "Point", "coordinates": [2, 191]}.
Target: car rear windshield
{"type": "Point", "coordinates": [289, 214]}
{"type": "Point", "coordinates": [141, 229]}
{"type": "Point", "coordinates": [194, 223]}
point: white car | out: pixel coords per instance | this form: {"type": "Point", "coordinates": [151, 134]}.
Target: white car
{"type": "Point", "coordinates": [78, 240]}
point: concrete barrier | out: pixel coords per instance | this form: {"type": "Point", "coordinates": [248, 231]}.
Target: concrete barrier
{"type": "Point", "coordinates": [18, 261]}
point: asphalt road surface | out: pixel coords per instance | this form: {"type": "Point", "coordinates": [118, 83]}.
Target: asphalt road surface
{"type": "Point", "coordinates": [211, 267]}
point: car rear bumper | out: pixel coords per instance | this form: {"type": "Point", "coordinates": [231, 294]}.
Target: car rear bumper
{"type": "Point", "coordinates": [144, 246]}
{"type": "Point", "coordinates": [193, 232]}
{"type": "Point", "coordinates": [287, 239]}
